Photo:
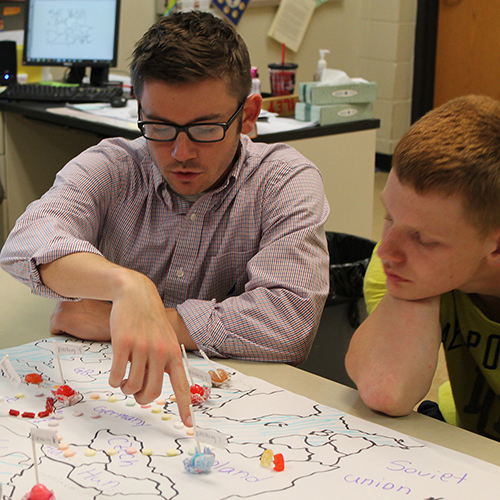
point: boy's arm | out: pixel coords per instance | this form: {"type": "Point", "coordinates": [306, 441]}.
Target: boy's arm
{"type": "Point", "coordinates": [393, 355]}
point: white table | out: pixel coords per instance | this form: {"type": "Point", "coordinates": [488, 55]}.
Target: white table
{"type": "Point", "coordinates": [25, 318]}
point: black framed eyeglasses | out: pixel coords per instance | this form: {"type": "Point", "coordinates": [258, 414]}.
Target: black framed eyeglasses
{"type": "Point", "coordinates": [198, 132]}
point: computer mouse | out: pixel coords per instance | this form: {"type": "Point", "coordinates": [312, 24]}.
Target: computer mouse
{"type": "Point", "coordinates": [118, 101]}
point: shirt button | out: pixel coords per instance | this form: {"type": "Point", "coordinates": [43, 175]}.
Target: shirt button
{"type": "Point", "coordinates": [192, 217]}
{"type": "Point", "coordinates": [180, 272]}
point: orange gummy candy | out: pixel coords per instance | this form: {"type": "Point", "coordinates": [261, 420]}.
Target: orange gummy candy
{"type": "Point", "coordinates": [33, 378]}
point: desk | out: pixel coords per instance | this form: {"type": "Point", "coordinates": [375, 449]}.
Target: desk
{"type": "Point", "coordinates": [36, 144]}
{"type": "Point", "coordinates": [25, 319]}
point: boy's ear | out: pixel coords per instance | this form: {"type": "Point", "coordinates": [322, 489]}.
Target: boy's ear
{"type": "Point", "coordinates": [494, 256]}
{"type": "Point", "coordinates": [251, 112]}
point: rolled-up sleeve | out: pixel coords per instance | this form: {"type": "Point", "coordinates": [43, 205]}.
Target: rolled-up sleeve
{"type": "Point", "coordinates": [67, 219]}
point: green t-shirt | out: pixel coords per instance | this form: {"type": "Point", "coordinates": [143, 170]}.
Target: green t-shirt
{"type": "Point", "coordinates": [472, 348]}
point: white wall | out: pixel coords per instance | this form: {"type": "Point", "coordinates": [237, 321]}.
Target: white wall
{"type": "Point", "coordinates": [373, 39]}
{"type": "Point", "coordinates": [136, 17]}
{"type": "Point", "coordinates": [386, 57]}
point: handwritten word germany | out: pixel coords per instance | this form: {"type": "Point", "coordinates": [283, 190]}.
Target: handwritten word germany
{"type": "Point", "coordinates": [136, 422]}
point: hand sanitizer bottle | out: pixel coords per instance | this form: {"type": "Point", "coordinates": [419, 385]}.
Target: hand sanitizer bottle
{"type": "Point", "coordinates": [255, 81]}
{"type": "Point", "coordinates": [321, 65]}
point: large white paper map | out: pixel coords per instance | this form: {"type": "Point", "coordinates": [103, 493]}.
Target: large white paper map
{"type": "Point", "coordinates": [328, 453]}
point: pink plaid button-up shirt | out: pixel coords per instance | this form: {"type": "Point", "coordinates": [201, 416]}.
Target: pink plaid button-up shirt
{"type": "Point", "coordinates": [246, 265]}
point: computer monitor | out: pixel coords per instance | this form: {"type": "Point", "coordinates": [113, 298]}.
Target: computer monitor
{"type": "Point", "coordinates": [73, 33]}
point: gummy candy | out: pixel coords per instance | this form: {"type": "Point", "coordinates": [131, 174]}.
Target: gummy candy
{"type": "Point", "coordinates": [199, 394]}
{"type": "Point", "coordinates": [39, 492]}
{"type": "Point", "coordinates": [266, 458]}
{"type": "Point", "coordinates": [64, 390]}
{"type": "Point", "coordinates": [65, 394]}
{"type": "Point", "coordinates": [279, 462]}
{"type": "Point", "coordinates": [200, 463]}
{"type": "Point", "coordinates": [33, 378]}
{"type": "Point", "coordinates": [269, 457]}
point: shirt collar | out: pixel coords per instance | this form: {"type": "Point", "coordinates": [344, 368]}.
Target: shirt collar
{"type": "Point", "coordinates": [165, 194]}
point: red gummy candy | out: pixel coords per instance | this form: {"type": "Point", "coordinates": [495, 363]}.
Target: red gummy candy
{"type": "Point", "coordinates": [65, 390]}
{"type": "Point", "coordinates": [28, 414]}
{"type": "Point", "coordinates": [49, 405]}
{"type": "Point", "coordinates": [43, 414]}
{"type": "Point", "coordinates": [40, 492]}
{"type": "Point", "coordinates": [279, 462]}
{"type": "Point", "coordinates": [14, 413]}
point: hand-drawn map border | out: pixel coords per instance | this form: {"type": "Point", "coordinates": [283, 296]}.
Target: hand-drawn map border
{"type": "Point", "coordinates": [328, 453]}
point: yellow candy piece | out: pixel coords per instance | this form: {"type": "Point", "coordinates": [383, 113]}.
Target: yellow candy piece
{"type": "Point", "coordinates": [89, 452]}
{"type": "Point", "coordinates": [171, 452]}
{"type": "Point", "coordinates": [267, 458]}
{"type": "Point", "coordinates": [147, 451]}
{"type": "Point", "coordinates": [110, 452]}
{"type": "Point", "coordinates": [156, 409]}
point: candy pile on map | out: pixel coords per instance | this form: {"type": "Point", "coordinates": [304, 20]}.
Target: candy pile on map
{"type": "Point", "coordinates": [199, 393]}
{"type": "Point", "coordinates": [268, 458]}
{"type": "Point", "coordinates": [114, 448]}
{"type": "Point", "coordinates": [220, 378]}
{"type": "Point", "coordinates": [200, 463]}
{"type": "Point", "coordinates": [66, 395]}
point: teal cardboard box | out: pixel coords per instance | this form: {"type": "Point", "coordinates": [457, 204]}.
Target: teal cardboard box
{"type": "Point", "coordinates": [320, 95]}
{"type": "Point", "coordinates": [336, 113]}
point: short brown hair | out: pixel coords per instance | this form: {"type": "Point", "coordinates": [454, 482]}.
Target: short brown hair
{"type": "Point", "coordinates": [189, 47]}
{"type": "Point", "coordinates": [455, 149]}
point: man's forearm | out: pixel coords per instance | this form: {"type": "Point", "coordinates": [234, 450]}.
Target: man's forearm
{"type": "Point", "coordinates": [84, 275]}
{"type": "Point", "coordinates": [393, 355]}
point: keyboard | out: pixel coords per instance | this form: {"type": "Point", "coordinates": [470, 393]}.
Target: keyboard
{"type": "Point", "coordinates": [56, 93]}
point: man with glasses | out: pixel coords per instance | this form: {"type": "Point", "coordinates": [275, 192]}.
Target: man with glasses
{"type": "Point", "coordinates": [191, 234]}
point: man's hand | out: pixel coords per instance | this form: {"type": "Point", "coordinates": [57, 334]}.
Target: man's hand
{"type": "Point", "coordinates": [142, 334]}
{"type": "Point", "coordinates": [86, 319]}
{"type": "Point", "coordinates": [123, 306]}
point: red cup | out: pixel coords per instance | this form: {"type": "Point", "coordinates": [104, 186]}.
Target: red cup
{"type": "Point", "coordinates": [282, 78]}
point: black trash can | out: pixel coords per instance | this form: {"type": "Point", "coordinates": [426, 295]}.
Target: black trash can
{"type": "Point", "coordinates": [344, 307]}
